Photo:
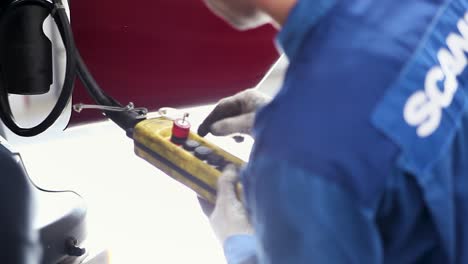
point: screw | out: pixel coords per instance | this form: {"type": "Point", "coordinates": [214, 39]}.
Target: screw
{"type": "Point", "coordinates": [72, 249]}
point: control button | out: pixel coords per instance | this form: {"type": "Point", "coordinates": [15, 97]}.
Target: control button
{"type": "Point", "coordinates": [203, 152]}
{"type": "Point", "coordinates": [191, 145]}
{"type": "Point", "coordinates": [238, 138]}
{"type": "Point", "coordinates": [180, 130]}
{"type": "Point", "coordinates": [215, 159]}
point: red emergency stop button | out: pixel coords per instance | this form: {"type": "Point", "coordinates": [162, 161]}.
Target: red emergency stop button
{"type": "Point", "coordinates": [180, 130]}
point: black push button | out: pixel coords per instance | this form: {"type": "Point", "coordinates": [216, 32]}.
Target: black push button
{"type": "Point", "coordinates": [215, 160]}
{"type": "Point", "coordinates": [191, 145]}
{"type": "Point", "coordinates": [203, 152]}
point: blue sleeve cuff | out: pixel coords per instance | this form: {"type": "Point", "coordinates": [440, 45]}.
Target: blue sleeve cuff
{"type": "Point", "coordinates": [300, 20]}
{"type": "Point", "coordinates": [240, 249]}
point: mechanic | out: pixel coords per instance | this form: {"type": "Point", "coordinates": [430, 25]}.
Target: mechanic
{"type": "Point", "coordinates": [362, 157]}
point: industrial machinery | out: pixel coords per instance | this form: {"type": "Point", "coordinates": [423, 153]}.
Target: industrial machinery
{"type": "Point", "coordinates": [41, 226]}
{"type": "Point", "coordinates": [26, 68]}
{"type": "Point", "coordinates": [51, 224]}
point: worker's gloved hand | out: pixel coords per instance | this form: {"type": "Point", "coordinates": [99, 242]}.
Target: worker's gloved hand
{"type": "Point", "coordinates": [241, 14]}
{"type": "Point", "coordinates": [235, 114]}
{"type": "Point", "coordinates": [229, 216]}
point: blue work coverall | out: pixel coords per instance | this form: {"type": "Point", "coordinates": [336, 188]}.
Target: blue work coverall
{"type": "Point", "coordinates": [363, 155]}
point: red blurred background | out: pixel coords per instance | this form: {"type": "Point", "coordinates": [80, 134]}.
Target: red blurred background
{"type": "Point", "coordinates": [159, 53]}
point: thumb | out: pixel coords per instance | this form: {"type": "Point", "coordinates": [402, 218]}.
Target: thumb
{"type": "Point", "coordinates": [238, 124]}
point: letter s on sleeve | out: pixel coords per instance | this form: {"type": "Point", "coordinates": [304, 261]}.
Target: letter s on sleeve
{"type": "Point", "coordinates": [420, 111]}
{"type": "Point", "coordinates": [415, 111]}
{"type": "Point", "coordinates": [431, 124]}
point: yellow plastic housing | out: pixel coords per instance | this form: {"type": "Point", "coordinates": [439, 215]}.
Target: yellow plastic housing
{"type": "Point", "coordinates": [152, 143]}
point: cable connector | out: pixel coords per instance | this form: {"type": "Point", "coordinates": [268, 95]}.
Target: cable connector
{"type": "Point", "coordinates": [141, 111]}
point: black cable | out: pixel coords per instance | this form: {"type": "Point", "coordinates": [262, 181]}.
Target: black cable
{"type": "Point", "coordinates": [126, 119]}
{"type": "Point", "coordinates": [60, 17]}
{"type": "Point", "coordinates": [91, 85]}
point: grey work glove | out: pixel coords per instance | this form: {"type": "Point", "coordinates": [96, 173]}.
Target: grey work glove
{"type": "Point", "coordinates": [235, 114]}
{"type": "Point", "coordinates": [229, 216]}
